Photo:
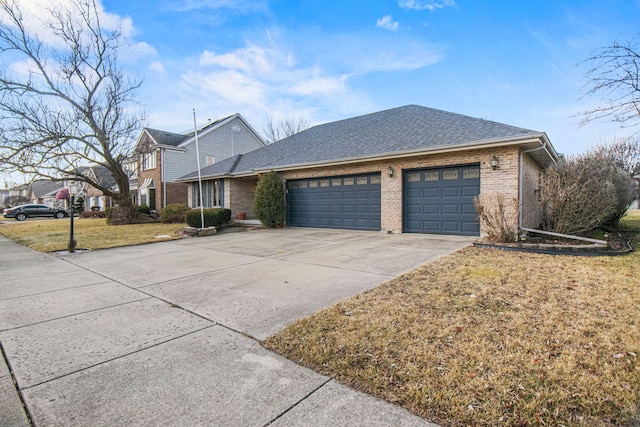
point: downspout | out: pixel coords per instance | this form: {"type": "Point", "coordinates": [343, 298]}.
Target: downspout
{"type": "Point", "coordinates": [164, 183]}
{"type": "Point", "coordinates": [520, 203]}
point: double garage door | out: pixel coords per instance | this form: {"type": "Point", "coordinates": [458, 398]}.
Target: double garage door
{"type": "Point", "coordinates": [348, 202]}
{"type": "Point", "coordinates": [435, 200]}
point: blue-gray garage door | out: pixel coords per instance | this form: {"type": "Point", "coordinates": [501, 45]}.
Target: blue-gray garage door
{"type": "Point", "coordinates": [347, 202]}
{"type": "Point", "coordinates": [440, 200]}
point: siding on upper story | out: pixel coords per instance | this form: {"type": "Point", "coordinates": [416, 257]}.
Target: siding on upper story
{"type": "Point", "coordinates": [231, 138]}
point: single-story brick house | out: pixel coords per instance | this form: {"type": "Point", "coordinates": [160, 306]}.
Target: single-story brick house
{"type": "Point", "coordinates": [407, 169]}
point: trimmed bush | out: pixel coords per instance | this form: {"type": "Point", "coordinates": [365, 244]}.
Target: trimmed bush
{"type": "Point", "coordinates": [144, 209]}
{"type": "Point", "coordinates": [212, 217]}
{"type": "Point", "coordinates": [585, 193]}
{"type": "Point", "coordinates": [269, 202]}
{"type": "Point", "coordinates": [93, 214]}
{"type": "Point", "coordinates": [174, 213]}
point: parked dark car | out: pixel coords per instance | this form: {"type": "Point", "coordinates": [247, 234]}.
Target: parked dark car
{"type": "Point", "coordinates": [23, 212]}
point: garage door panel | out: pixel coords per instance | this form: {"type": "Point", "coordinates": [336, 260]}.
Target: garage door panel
{"type": "Point", "coordinates": [448, 209]}
{"type": "Point", "coordinates": [413, 192]}
{"type": "Point", "coordinates": [349, 202]}
{"type": "Point", "coordinates": [471, 227]}
{"type": "Point", "coordinates": [469, 191]}
{"type": "Point", "coordinates": [413, 209]}
{"type": "Point", "coordinates": [431, 193]}
{"type": "Point", "coordinates": [440, 200]}
{"type": "Point", "coordinates": [430, 225]}
{"type": "Point", "coordinates": [451, 226]}
{"type": "Point", "coordinates": [450, 191]}
{"type": "Point", "coordinates": [468, 209]}
{"type": "Point", "coordinates": [431, 210]}
{"type": "Point", "coordinates": [362, 209]}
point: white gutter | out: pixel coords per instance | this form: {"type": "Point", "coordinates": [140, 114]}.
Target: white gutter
{"type": "Point", "coordinates": [520, 203]}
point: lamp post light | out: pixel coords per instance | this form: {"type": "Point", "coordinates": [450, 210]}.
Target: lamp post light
{"type": "Point", "coordinates": [72, 243]}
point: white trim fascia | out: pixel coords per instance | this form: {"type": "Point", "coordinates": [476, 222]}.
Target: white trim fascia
{"type": "Point", "coordinates": [223, 123]}
{"type": "Point", "coordinates": [171, 148]}
{"type": "Point", "coordinates": [139, 141]}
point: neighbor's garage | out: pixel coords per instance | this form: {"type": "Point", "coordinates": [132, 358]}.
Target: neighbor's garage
{"type": "Point", "coordinates": [440, 200]}
{"type": "Point", "coordinates": [348, 202]}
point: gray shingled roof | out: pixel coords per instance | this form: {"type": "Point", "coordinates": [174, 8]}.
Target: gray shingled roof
{"type": "Point", "coordinates": [407, 129]}
{"type": "Point", "coordinates": [163, 137]}
{"type": "Point", "coordinates": [104, 177]}
{"type": "Point", "coordinates": [41, 188]}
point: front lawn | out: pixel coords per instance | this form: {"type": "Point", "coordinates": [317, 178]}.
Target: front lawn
{"type": "Point", "coordinates": [490, 338]}
{"type": "Point", "coordinates": [90, 233]}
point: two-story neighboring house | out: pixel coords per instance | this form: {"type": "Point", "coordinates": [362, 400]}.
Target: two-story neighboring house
{"type": "Point", "coordinates": [163, 157]}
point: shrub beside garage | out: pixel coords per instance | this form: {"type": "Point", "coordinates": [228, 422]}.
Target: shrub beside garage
{"type": "Point", "coordinates": [213, 217]}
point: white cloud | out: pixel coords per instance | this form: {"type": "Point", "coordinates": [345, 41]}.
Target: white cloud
{"type": "Point", "coordinates": [282, 73]}
{"type": "Point", "coordinates": [250, 59]}
{"type": "Point", "coordinates": [426, 4]}
{"type": "Point", "coordinates": [157, 67]}
{"type": "Point", "coordinates": [37, 12]}
{"type": "Point", "coordinates": [388, 23]}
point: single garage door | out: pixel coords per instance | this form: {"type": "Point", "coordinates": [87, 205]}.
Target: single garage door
{"type": "Point", "coordinates": [440, 200]}
{"type": "Point", "coordinates": [348, 202]}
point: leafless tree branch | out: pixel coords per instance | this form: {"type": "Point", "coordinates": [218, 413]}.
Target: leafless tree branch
{"type": "Point", "coordinates": [283, 128]}
{"type": "Point", "coordinates": [74, 105]}
{"type": "Point", "coordinates": [613, 77]}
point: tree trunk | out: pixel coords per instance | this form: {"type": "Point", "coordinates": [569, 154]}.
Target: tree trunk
{"type": "Point", "coordinates": [125, 211]}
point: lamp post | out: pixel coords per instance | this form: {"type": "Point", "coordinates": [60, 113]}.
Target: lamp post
{"type": "Point", "coordinates": [72, 242]}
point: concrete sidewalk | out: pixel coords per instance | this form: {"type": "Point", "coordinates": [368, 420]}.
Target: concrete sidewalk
{"type": "Point", "coordinates": [169, 333]}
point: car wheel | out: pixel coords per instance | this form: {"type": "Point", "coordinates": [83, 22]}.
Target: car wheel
{"type": "Point", "coordinates": [21, 217]}
{"type": "Point", "coordinates": [59, 215]}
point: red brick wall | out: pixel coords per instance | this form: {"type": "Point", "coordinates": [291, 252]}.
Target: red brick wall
{"type": "Point", "coordinates": [176, 193]}
{"type": "Point", "coordinates": [156, 175]}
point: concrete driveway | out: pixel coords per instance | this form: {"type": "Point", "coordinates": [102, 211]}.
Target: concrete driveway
{"type": "Point", "coordinates": [169, 333]}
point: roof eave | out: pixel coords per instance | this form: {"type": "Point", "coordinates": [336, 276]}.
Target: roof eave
{"type": "Point", "coordinates": [475, 145]}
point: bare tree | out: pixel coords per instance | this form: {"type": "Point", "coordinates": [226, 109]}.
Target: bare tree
{"type": "Point", "coordinates": [64, 100]}
{"type": "Point", "coordinates": [624, 151]}
{"type": "Point", "coordinates": [614, 77]}
{"type": "Point", "coordinates": [275, 131]}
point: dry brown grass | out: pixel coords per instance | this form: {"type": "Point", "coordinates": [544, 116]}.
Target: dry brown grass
{"type": "Point", "coordinates": [490, 338]}
{"type": "Point", "coordinates": [53, 235]}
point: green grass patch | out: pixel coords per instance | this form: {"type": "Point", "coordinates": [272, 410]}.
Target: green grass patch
{"type": "Point", "coordinates": [90, 233]}
{"type": "Point", "coordinates": [490, 338]}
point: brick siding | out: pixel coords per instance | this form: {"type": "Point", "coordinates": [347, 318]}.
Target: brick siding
{"type": "Point", "coordinates": [239, 192]}
{"type": "Point", "coordinates": [176, 193]}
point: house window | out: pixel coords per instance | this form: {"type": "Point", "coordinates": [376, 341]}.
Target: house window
{"type": "Point", "coordinates": [148, 161]}
{"type": "Point", "coordinates": [212, 194]}
{"type": "Point", "coordinates": [210, 160]}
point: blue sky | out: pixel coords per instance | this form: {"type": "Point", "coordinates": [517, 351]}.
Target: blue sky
{"type": "Point", "coordinates": [515, 62]}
